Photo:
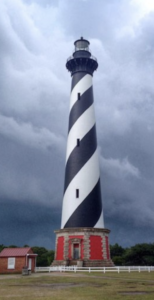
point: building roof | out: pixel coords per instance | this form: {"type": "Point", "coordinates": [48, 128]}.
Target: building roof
{"type": "Point", "coordinates": [11, 252]}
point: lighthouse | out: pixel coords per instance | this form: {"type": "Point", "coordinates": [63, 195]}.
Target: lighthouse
{"type": "Point", "coordinates": [82, 239]}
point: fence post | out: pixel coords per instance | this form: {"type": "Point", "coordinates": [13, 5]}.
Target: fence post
{"type": "Point", "coordinates": [139, 269]}
{"type": "Point", "coordinates": [104, 270]}
{"type": "Point", "coordinates": [118, 269]}
{"type": "Point", "coordinates": [89, 270]}
{"type": "Point", "coordinates": [129, 269]}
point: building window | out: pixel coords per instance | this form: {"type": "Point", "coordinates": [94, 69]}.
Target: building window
{"type": "Point", "coordinates": [11, 263]}
{"type": "Point", "coordinates": [79, 96]}
{"type": "Point", "coordinates": [78, 142]}
{"type": "Point", "coordinates": [77, 193]}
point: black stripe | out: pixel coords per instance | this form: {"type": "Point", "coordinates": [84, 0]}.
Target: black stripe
{"type": "Point", "coordinates": [80, 106]}
{"type": "Point", "coordinates": [76, 78]}
{"type": "Point", "coordinates": [80, 155]}
{"type": "Point", "coordinates": [88, 212]}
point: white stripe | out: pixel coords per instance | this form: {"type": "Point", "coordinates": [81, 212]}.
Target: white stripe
{"type": "Point", "coordinates": [84, 123]}
{"type": "Point", "coordinates": [85, 181]}
{"type": "Point", "coordinates": [100, 223]}
{"type": "Point", "coordinates": [84, 84]}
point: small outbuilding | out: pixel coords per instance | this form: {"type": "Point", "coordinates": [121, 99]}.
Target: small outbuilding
{"type": "Point", "coordinates": [13, 260]}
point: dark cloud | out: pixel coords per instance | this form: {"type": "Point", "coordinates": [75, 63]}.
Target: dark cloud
{"type": "Point", "coordinates": [36, 38]}
{"type": "Point", "coordinates": [28, 223]}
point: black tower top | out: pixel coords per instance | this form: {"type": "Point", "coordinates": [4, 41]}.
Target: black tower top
{"type": "Point", "coordinates": [82, 60]}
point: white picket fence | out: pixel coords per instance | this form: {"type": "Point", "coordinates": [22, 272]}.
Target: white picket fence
{"type": "Point", "coordinates": [93, 269]}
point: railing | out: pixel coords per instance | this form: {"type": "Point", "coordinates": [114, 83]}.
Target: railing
{"type": "Point", "coordinates": [93, 57]}
{"type": "Point", "coordinates": [95, 269]}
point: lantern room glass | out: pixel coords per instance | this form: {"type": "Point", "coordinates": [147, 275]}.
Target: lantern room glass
{"type": "Point", "coordinates": [82, 45]}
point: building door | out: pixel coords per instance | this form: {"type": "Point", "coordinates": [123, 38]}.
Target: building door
{"type": "Point", "coordinates": [29, 264]}
{"type": "Point", "coordinates": [75, 251]}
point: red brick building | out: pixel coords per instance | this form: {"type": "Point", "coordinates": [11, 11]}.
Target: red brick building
{"type": "Point", "coordinates": [12, 260]}
{"type": "Point", "coordinates": [88, 247]}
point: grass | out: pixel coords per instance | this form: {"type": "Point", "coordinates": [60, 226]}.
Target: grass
{"type": "Point", "coordinates": [93, 286]}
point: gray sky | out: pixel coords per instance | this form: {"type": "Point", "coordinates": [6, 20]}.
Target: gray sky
{"type": "Point", "coordinates": [36, 38]}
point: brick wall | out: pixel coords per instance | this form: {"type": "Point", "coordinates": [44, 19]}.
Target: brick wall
{"type": "Point", "coordinates": [93, 246]}
{"type": "Point", "coordinates": [20, 262]}
{"type": "Point", "coordinates": [96, 247]}
{"type": "Point", "coordinates": [60, 248]}
{"type": "Point", "coordinates": [107, 247]}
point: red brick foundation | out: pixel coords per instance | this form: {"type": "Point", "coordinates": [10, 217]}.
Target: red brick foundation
{"type": "Point", "coordinates": [83, 246]}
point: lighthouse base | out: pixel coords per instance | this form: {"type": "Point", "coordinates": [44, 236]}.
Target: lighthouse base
{"type": "Point", "coordinates": [84, 247]}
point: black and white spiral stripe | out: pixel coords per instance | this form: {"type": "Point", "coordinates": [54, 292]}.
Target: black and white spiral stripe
{"type": "Point", "coordinates": [82, 163]}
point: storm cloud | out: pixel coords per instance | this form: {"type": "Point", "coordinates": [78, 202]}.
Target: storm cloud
{"type": "Point", "coordinates": [36, 38]}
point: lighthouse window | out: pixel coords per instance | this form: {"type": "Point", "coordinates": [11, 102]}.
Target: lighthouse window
{"type": "Point", "coordinates": [79, 96]}
{"type": "Point", "coordinates": [78, 142]}
{"type": "Point", "coordinates": [77, 193]}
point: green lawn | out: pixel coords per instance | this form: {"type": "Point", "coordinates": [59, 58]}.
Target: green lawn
{"type": "Point", "coordinates": [79, 286]}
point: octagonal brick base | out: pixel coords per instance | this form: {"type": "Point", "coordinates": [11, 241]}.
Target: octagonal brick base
{"type": "Point", "coordinates": [87, 247]}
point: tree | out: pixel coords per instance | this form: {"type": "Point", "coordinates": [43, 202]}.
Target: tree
{"type": "Point", "coordinates": [140, 255]}
{"type": "Point", "coordinates": [117, 253]}
{"type": "Point", "coordinates": [2, 247]}
{"type": "Point", "coordinates": [116, 250]}
{"type": "Point", "coordinates": [45, 257]}
{"type": "Point", "coordinates": [50, 256]}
